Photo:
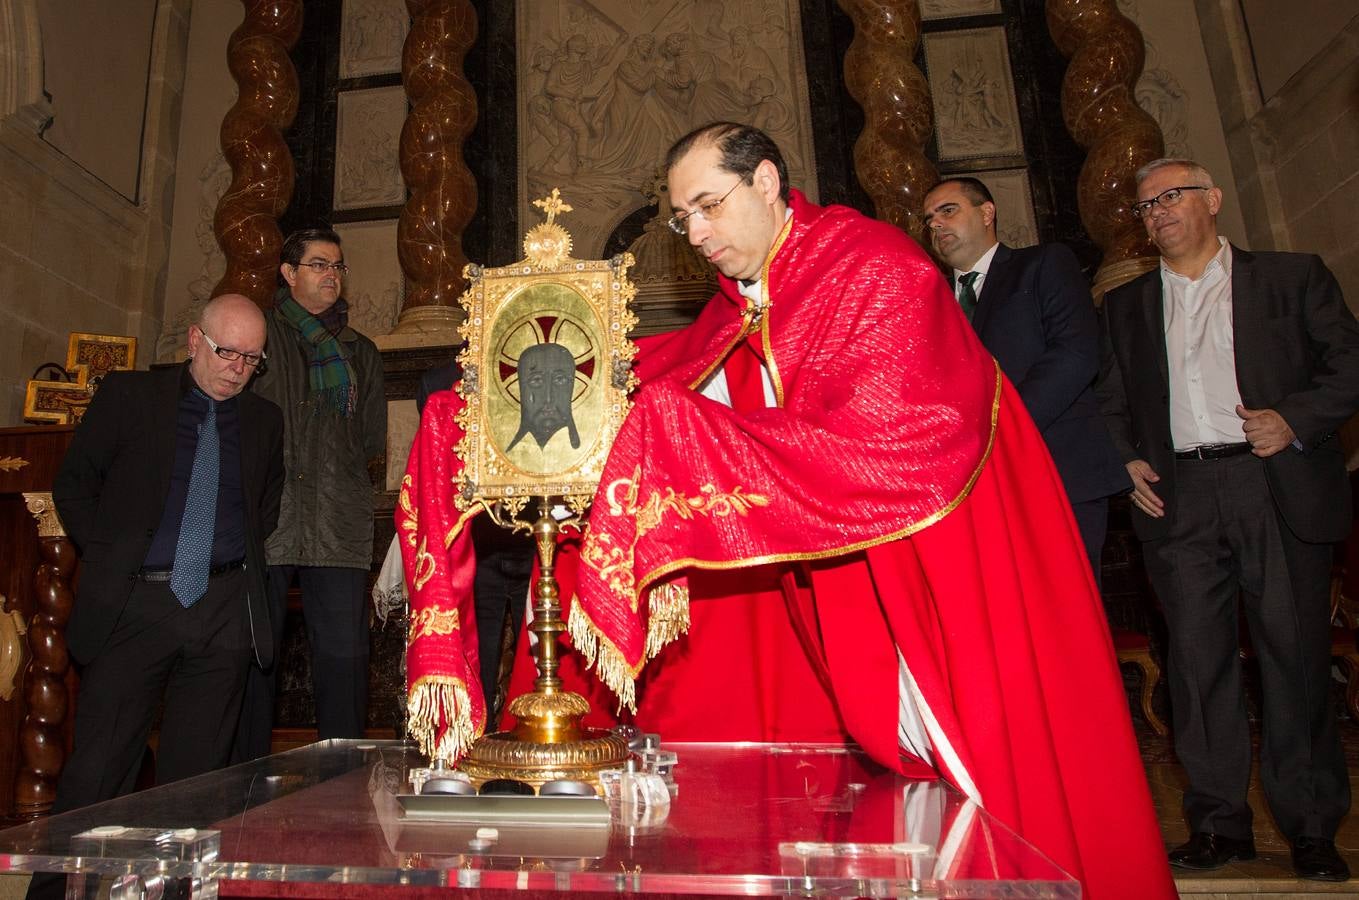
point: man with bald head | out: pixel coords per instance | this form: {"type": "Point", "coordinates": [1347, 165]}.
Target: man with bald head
{"type": "Point", "coordinates": [168, 490]}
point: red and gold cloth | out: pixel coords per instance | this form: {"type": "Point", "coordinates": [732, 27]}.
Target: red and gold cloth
{"type": "Point", "coordinates": [901, 475]}
{"type": "Point", "coordinates": [445, 707]}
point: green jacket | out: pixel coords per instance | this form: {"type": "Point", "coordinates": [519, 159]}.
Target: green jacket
{"type": "Point", "coordinates": [326, 515]}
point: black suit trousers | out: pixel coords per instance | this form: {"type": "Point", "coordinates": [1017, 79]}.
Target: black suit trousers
{"type": "Point", "coordinates": [1227, 543]}
{"type": "Point", "coordinates": [195, 659]}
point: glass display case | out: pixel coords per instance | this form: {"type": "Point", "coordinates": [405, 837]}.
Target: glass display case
{"type": "Point", "coordinates": [743, 819]}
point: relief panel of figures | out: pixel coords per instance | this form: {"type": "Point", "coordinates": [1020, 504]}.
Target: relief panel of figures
{"type": "Point", "coordinates": [606, 86]}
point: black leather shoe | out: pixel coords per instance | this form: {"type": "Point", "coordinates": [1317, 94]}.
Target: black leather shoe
{"type": "Point", "coordinates": [1317, 859]}
{"type": "Point", "coordinates": [1205, 850]}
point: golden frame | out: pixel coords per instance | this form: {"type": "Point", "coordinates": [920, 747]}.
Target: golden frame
{"type": "Point", "coordinates": [89, 357]}
{"type": "Point", "coordinates": [556, 443]}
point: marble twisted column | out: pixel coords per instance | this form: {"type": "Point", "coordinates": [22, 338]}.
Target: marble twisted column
{"type": "Point", "coordinates": [1099, 107]}
{"type": "Point", "coordinates": [443, 193]}
{"type": "Point", "coordinates": [42, 742]}
{"type": "Point", "coordinates": [889, 156]}
{"type": "Point", "coordinates": [246, 222]}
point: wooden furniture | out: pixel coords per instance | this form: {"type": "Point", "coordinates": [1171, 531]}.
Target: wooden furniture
{"type": "Point", "coordinates": [35, 578]}
{"type": "Point", "coordinates": [1135, 648]}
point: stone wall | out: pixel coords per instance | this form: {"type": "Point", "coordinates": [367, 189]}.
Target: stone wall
{"type": "Point", "coordinates": [75, 254]}
{"type": "Point", "coordinates": [1295, 154]}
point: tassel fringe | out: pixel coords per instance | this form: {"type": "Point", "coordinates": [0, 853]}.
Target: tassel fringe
{"type": "Point", "coordinates": [438, 700]}
{"type": "Point", "coordinates": [668, 619]}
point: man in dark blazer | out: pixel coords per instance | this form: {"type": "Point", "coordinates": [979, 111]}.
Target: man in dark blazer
{"type": "Point", "coordinates": [1226, 375]}
{"type": "Point", "coordinates": [169, 488]}
{"type": "Point", "coordinates": [1031, 307]}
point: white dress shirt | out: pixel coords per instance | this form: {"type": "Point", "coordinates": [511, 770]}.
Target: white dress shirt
{"type": "Point", "coordinates": [981, 267]}
{"type": "Point", "coordinates": [1200, 354]}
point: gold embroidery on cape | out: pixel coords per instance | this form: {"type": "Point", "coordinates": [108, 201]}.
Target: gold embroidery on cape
{"type": "Point", "coordinates": [753, 316]}
{"type": "Point", "coordinates": [425, 566]}
{"type": "Point", "coordinates": [410, 519]}
{"type": "Point", "coordinates": [614, 564]}
{"type": "Point", "coordinates": [676, 565]}
{"type": "Point", "coordinates": [432, 621]}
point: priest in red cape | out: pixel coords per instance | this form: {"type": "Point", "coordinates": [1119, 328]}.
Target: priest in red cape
{"type": "Point", "coordinates": [827, 514]}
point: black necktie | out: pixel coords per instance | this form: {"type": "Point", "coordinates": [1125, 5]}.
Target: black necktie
{"type": "Point", "coordinates": [967, 297]}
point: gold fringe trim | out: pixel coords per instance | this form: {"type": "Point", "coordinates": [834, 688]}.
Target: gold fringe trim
{"type": "Point", "coordinates": [602, 656]}
{"type": "Point", "coordinates": [436, 699]}
{"type": "Point", "coordinates": [669, 616]}
{"type": "Point", "coordinates": [667, 620]}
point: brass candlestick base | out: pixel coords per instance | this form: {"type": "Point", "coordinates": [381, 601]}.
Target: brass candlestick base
{"type": "Point", "coordinates": [549, 741]}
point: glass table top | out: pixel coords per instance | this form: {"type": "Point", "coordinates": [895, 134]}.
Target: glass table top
{"type": "Point", "coordinates": [754, 819]}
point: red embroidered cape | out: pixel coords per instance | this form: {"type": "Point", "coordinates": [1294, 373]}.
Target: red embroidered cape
{"type": "Point", "coordinates": [886, 403]}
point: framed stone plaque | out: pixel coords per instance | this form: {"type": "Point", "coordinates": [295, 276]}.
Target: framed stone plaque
{"type": "Point", "coordinates": [955, 9]}
{"type": "Point", "coordinates": [1016, 225]}
{"type": "Point", "coordinates": [975, 112]}
{"type": "Point", "coordinates": [367, 135]}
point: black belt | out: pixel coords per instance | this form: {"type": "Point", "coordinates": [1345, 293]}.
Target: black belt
{"type": "Point", "coordinates": [156, 575]}
{"type": "Point", "coordinates": [1213, 451]}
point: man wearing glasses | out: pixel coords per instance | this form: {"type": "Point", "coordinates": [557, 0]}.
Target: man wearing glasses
{"type": "Point", "coordinates": [169, 490]}
{"type": "Point", "coordinates": [1226, 375]}
{"type": "Point", "coordinates": [327, 379]}
{"type": "Point", "coordinates": [828, 510]}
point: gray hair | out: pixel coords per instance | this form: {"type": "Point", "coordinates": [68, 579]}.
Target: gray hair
{"type": "Point", "coordinates": [1197, 173]}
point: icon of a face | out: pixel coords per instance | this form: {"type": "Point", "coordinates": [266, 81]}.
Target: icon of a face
{"type": "Point", "coordinates": [547, 375]}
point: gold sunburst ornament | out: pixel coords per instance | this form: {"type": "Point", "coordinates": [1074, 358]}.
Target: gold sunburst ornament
{"type": "Point", "coordinates": [548, 244]}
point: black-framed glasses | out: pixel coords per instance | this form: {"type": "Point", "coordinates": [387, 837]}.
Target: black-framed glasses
{"type": "Point", "coordinates": [1166, 199]}
{"type": "Point", "coordinates": [679, 222]}
{"type": "Point", "coordinates": [320, 267]}
{"type": "Point", "coordinates": [252, 360]}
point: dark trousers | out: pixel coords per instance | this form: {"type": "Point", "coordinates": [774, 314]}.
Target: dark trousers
{"type": "Point", "coordinates": [336, 617]}
{"type": "Point", "coordinates": [195, 659]}
{"type": "Point", "coordinates": [1227, 541]}
{"type": "Point", "coordinates": [1092, 518]}
{"type": "Point", "coordinates": [500, 586]}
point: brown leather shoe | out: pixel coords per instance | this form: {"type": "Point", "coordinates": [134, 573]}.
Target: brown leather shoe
{"type": "Point", "coordinates": [1205, 850]}
{"type": "Point", "coordinates": [1317, 859]}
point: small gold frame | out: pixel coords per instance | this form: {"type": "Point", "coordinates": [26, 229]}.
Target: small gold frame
{"type": "Point", "coordinates": [513, 451]}
{"type": "Point", "coordinates": [89, 357]}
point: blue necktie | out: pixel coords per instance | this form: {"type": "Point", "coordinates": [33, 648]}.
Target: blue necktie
{"type": "Point", "coordinates": [967, 296]}
{"type": "Point", "coordinates": [193, 552]}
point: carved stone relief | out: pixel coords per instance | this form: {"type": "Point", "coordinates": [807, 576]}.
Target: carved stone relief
{"type": "Point", "coordinates": [371, 35]}
{"type": "Point", "coordinates": [606, 86]}
{"type": "Point", "coordinates": [368, 130]}
{"type": "Point", "coordinates": [953, 9]}
{"type": "Point", "coordinates": [374, 286]}
{"type": "Point", "coordinates": [1016, 225]}
{"type": "Point", "coordinates": [974, 98]}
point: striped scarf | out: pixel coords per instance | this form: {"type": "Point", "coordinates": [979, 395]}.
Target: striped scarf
{"type": "Point", "coordinates": [329, 374]}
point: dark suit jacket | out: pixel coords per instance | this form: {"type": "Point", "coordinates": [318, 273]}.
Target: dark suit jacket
{"type": "Point", "coordinates": [439, 378]}
{"type": "Point", "coordinates": [1296, 346]}
{"type": "Point", "coordinates": [111, 490]}
{"type": "Point", "coordinates": [1036, 317]}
